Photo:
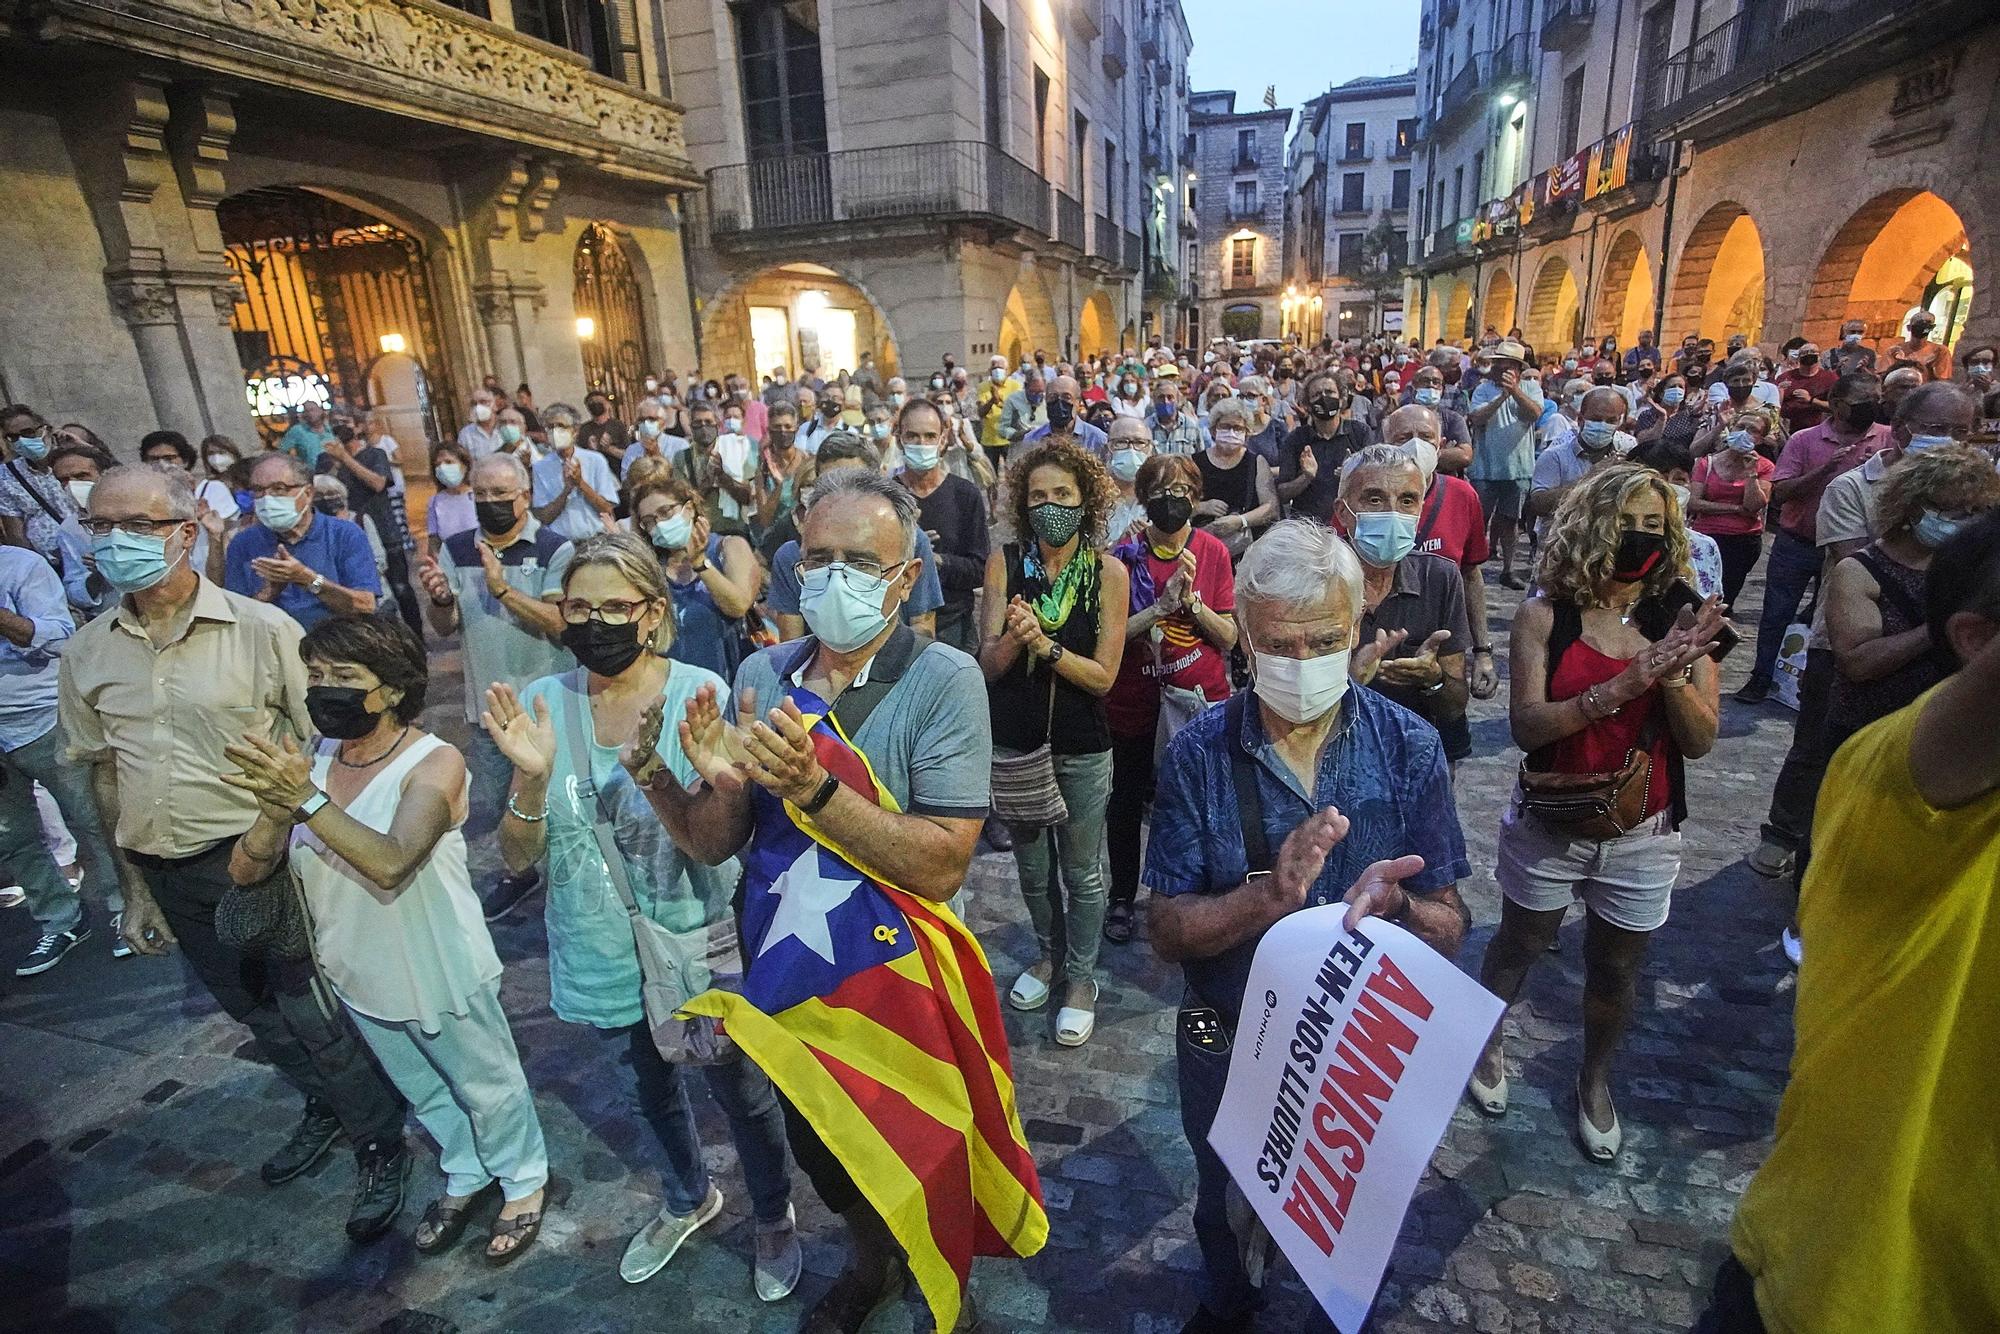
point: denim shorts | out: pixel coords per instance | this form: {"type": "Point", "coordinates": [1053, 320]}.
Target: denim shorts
{"type": "Point", "coordinates": [1501, 496]}
{"type": "Point", "coordinates": [1628, 881]}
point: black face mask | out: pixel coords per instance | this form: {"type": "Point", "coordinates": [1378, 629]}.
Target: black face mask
{"type": "Point", "coordinates": [1739, 392]}
{"type": "Point", "coordinates": [1169, 514]}
{"type": "Point", "coordinates": [1638, 553]}
{"type": "Point", "coordinates": [1325, 406]}
{"type": "Point", "coordinates": [1061, 413]}
{"type": "Point", "coordinates": [1861, 416]}
{"type": "Point", "coordinates": [1807, 363]}
{"type": "Point", "coordinates": [340, 711]}
{"type": "Point", "coordinates": [604, 649]}
{"type": "Point", "coordinates": [327, 505]}
{"type": "Point", "coordinates": [703, 433]}
{"type": "Point", "coordinates": [495, 516]}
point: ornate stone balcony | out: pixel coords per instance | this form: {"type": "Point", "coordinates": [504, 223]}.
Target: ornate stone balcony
{"type": "Point", "coordinates": [416, 58]}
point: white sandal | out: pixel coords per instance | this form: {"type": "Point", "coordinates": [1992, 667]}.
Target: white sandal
{"type": "Point", "coordinates": [1600, 1146]}
{"type": "Point", "coordinates": [1075, 1024]}
{"type": "Point", "coordinates": [1490, 1099]}
{"type": "Point", "coordinates": [1028, 992]}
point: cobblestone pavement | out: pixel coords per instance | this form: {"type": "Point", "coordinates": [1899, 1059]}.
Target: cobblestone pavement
{"type": "Point", "coordinates": [132, 1121]}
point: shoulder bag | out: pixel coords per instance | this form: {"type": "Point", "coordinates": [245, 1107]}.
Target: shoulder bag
{"type": "Point", "coordinates": [1024, 786]}
{"type": "Point", "coordinates": [674, 966]}
{"type": "Point", "coordinates": [266, 920]}
{"type": "Point", "coordinates": [1593, 806]}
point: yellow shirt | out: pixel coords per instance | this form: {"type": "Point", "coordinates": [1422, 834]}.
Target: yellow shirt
{"type": "Point", "coordinates": [989, 422]}
{"type": "Point", "coordinates": [1879, 1208]}
{"type": "Point", "coordinates": [162, 715]}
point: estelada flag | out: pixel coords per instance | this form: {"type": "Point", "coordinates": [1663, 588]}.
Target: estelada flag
{"type": "Point", "coordinates": [875, 1012]}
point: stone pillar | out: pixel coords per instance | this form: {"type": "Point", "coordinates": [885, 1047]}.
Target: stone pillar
{"type": "Point", "coordinates": [495, 300]}
{"type": "Point", "coordinates": [152, 309]}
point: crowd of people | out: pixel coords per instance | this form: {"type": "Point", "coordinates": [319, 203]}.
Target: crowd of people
{"type": "Point", "coordinates": [1238, 597]}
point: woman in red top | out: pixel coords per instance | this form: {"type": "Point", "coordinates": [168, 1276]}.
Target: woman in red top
{"type": "Point", "coordinates": [1602, 666]}
{"type": "Point", "coordinates": [1727, 496]}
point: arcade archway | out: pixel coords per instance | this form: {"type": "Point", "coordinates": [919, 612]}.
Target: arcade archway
{"type": "Point", "coordinates": [1457, 310]}
{"type": "Point", "coordinates": [1497, 311]}
{"type": "Point", "coordinates": [1900, 250]}
{"type": "Point", "coordinates": [1096, 326]}
{"type": "Point", "coordinates": [1718, 285]}
{"type": "Point", "coordinates": [796, 315]}
{"type": "Point", "coordinates": [1625, 292]}
{"type": "Point", "coordinates": [611, 324]}
{"type": "Point", "coordinates": [1553, 305]}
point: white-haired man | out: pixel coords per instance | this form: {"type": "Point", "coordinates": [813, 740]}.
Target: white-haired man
{"type": "Point", "coordinates": [1451, 525]}
{"type": "Point", "coordinates": [1354, 803]}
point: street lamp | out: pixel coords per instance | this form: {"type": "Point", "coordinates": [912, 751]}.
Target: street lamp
{"type": "Point", "coordinates": [393, 343]}
{"type": "Point", "coordinates": [586, 327]}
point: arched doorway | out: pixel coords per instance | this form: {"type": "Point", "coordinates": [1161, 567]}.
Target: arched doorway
{"type": "Point", "coordinates": [1027, 321]}
{"type": "Point", "coordinates": [1497, 311]}
{"type": "Point", "coordinates": [611, 326]}
{"type": "Point", "coordinates": [1457, 312]}
{"type": "Point", "coordinates": [342, 300]}
{"type": "Point", "coordinates": [1900, 250]}
{"type": "Point", "coordinates": [1553, 306]}
{"type": "Point", "coordinates": [1718, 286]}
{"type": "Point", "coordinates": [792, 316]}
{"type": "Point", "coordinates": [1096, 326]}
{"type": "Point", "coordinates": [1625, 295]}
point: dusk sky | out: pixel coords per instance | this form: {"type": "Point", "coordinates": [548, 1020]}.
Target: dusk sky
{"type": "Point", "coordinates": [1302, 46]}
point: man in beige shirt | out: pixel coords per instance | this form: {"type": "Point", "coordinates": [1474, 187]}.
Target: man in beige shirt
{"type": "Point", "coordinates": [149, 694]}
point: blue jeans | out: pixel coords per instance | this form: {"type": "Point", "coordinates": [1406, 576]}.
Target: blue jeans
{"type": "Point", "coordinates": [56, 907]}
{"type": "Point", "coordinates": [755, 1122]}
{"type": "Point", "coordinates": [1073, 925]}
{"type": "Point", "coordinates": [1793, 566]}
{"type": "Point", "coordinates": [490, 774]}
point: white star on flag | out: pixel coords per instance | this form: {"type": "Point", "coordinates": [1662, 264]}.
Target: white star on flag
{"type": "Point", "coordinates": [805, 900]}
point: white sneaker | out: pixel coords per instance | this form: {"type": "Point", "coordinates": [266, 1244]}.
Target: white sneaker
{"type": "Point", "coordinates": [1794, 948]}
{"type": "Point", "coordinates": [655, 1244]}
{"type": "Point", "coordinates": [119, 949]}
{"type": "Point", "coordinates": [774, 1276]}
{"type": "Point", "coordinates": [12, 896]}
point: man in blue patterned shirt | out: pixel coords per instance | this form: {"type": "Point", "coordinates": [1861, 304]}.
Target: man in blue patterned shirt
{"type": "Point", "coordinates": [1354, 805]}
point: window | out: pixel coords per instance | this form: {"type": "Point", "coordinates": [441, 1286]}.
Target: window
{"type": "Point", "coordinates": [1399, 248]}
{"type": "Point", "coordinates": [1244, 203]}
{"type": "Point", "coordinates": [1399, 189]}
{"type": "Point", "coordinates": [1478, 177]}
{"type": "Point", "coordinates": [1110, 209]}
{"type": "Point", "coordinates": [993, 62]}
{"type": "Point", "coordinates": [1406, 136]}
{"type": "Point", "coordinates": [1572, 112]}
{"type": "Point", "coordinates": [1042, 123]}
{"type": "Point", "coordinates": [1357, 140]}
{"type": "Point", "coordinates": [1352, 183]}
{"type": "Point", "coordinates": [784, 106]}
{"type": "Point", "coordinates": [582, 26]}
{"type": "Point", "coordinates": [1243, 259]}
{"type": "Point", "coordinates": [1656, 36]}
{"type": "Point", "coordinates": [1193, 199]}
{"type": "Point", "coordinates": [1423, 200]}
{"type": "Point", "coordinates": [1350, 253]}
{"type": "Point", "coordinates": [1457, 193]}
{"type": "Point", "coordinates": [1079, 157]}
{"type": "Point", "coordinates": [1246, 148]}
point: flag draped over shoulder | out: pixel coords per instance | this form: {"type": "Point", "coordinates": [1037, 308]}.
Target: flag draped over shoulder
{"type": "Point", "coordinates": [875, 1012]}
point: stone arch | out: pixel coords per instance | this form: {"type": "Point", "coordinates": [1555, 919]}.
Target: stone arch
{"type": "Point", "coordinates": [1625, 291]}
{"type": "Point", "coordinates": [1497, 309]}
{"type": "Point", "coordinates": [1880, 263]}
{"type": "Point", "coordinates": [1096, 326]}
{"type": "Point", "coordinates": [730, 334]}
{"type": "Point", "coordinates": [1553, 307]}
{"type": "Point", "coordinates": [1718, 284]}
{"type": "Point", "coordinates": [609, 288]}
{"type": "Point", "coordinates": [1457, 309]}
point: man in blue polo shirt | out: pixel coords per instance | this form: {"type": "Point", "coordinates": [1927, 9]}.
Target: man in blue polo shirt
{"type": "Point", "coordinates": [496, 586]}
{"type": "Point", "coordinates": [1355, 805]}
{"type": "Point", "coordinates": [311, 565]}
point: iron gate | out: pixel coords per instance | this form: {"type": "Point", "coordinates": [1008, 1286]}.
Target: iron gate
{"type": "Point", "coordinates": [618, 353]}
{"type": "Point", "coordinates": [336, 288]}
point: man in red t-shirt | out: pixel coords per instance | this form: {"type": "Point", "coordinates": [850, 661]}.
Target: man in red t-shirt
{"type": "Point", "coordinates": [1453, 526]}
{"type": "Point", "coordinates": [1802, 392]}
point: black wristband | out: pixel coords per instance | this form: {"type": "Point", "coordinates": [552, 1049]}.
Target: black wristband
{"type": "Point", "coordinates": [821, 797]}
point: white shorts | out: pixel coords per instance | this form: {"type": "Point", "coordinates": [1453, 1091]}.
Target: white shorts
{"type": "Point", "coordinates": [1628, 881]}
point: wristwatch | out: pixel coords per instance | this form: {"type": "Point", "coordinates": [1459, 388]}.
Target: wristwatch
{"type": "Point", "coordinates": [310, 807]}
{"type": "Point", "coordinates": [821, 797]}
{"type": "Point", "coordinates": [1056, 652]}
{"type": "Point", "coordinates": [319, 582]}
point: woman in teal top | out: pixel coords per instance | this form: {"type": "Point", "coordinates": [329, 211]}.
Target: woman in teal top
{"type": "Point", "coordinates": [616, 607]}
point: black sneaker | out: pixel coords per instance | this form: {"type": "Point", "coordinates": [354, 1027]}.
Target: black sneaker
{"type": "Point", "coordinates": [998, 837]}
{"type": "Point", "coordinates": [507, 893]}
{"type": "Point", "coordinates": [51, 948]}
{"type": "Point", "coordinates": [315, 1134]}
{"type": "Point", "coordinates": [1755, 691]}
{"type": "Point", "coordinates": [381, 1168]}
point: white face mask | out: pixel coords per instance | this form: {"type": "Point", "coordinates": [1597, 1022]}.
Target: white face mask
{"type": "Point", "coordinates": [221, 462]}
{"type": "Point", "coordinates": [79, 491]}
{"type": "Point", "coordinates": [561, 437]}
{"type": "Point", "coordinates": [1300, 690]}
{"type": "Point", "coordinates": [1681, 494]}
{"type": "Point", "coordinates": [482, 412]}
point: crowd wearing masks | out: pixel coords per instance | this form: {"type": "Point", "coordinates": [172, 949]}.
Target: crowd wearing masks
{"type": "Point", "coordinates": [1191, 637]}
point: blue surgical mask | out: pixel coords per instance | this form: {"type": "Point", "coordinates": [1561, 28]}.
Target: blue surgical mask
{"type": "Point", "coordinates": [1934, 530]}
{"type": "Point", "coordinates": [842, 606]}
{"type": "Point", "coordinates": [1673, 397]}
{"type": "Point", "coordinates": [672, 533]}
{"type": "Point", "coordinates": [278, 513]}
{"type": "Point", "coordinates": [649, 428]}
{"type": "Point", "coordinates": [1428, 395]}
{"type": "Point", "coordinates": [921, 458]}
{"type": "Point", "coordinates": [1165, 410]}
{"type": "Point", "coordinates": [880, 430]}
{"type": "Point", "coordinates": [510, 433]}
{"type": "Point", "coordinates": [33, 448]}
{"type": "Point", "coordinates": [1125, 463]}
{"type": "Point", "coordinates": [1596, 435]}
{"type": "Point", "coordinates": [1384, 537]}
{"type": "Point", "coordinates": [1919, 443]}
{"type": "Point", "coordinates": [1740, 441]}
{"type": "Point", "coordinates": [130, 562]}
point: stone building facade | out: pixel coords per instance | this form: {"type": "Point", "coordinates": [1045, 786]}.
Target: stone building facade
{"type": "Point", "coordinates": [1692, 169]}
{"type": "Point", "coordinates": [1240, 193]}
{"type": "Point", "coordinates": [1351, 163]}
{"type": "Point", "coordinates": [916, 179]}
{"type": "Point", "coordinates": [222, 207]}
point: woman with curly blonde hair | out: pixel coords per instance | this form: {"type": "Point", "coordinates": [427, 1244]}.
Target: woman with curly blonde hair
{"type": "Point", "coordinates": [1053, 616]}
{"type": "Point", "coordinates": [1609, 680]}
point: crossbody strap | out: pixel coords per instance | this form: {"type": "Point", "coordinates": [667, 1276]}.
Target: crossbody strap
{"type": "Point", "coordinates": [574, 721]}
{"type": "Point", "coordinates": [14, 467]}
{"type": "Point", "coordinates": [1243, 775]}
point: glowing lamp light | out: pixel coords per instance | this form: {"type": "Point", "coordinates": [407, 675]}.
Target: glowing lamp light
{"type": "Point", "coordinates": [1508, 99]}
{"type": "Point", "coordinates": [394, 343]}
{"type": "Point", "coordinates": [586, 327]}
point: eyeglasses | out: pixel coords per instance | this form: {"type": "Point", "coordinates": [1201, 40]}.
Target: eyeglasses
{"type": "Point", "coordinates": [861, 566]}
{"type": "Point", "coordinates": [139, 527]}
{"type": "Point", "coordinates": [276, 489]}
{"type": "Point", "coordinates": [1178, 490]}
{"type": "Point", "coordinates": [613, 611]}
{"type": "Point", "coordinates": [1937, 428]}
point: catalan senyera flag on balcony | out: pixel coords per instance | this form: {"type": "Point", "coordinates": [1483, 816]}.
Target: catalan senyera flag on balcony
{"type": "Point", "coordinates": [875, 1012]}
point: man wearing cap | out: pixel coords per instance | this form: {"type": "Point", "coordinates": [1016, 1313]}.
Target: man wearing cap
{"type": "Point", "coordinates": [1803, 390]}
{"type": "Point", "coordinates": [1502, 415]}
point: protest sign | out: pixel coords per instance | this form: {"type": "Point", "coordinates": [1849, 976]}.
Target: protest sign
{"type": "Point", "coordinates": [1351, 1052]}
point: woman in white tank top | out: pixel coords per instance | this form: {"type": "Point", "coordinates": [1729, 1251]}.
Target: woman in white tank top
{"type": "Point", "coordinates": [370, 819]}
